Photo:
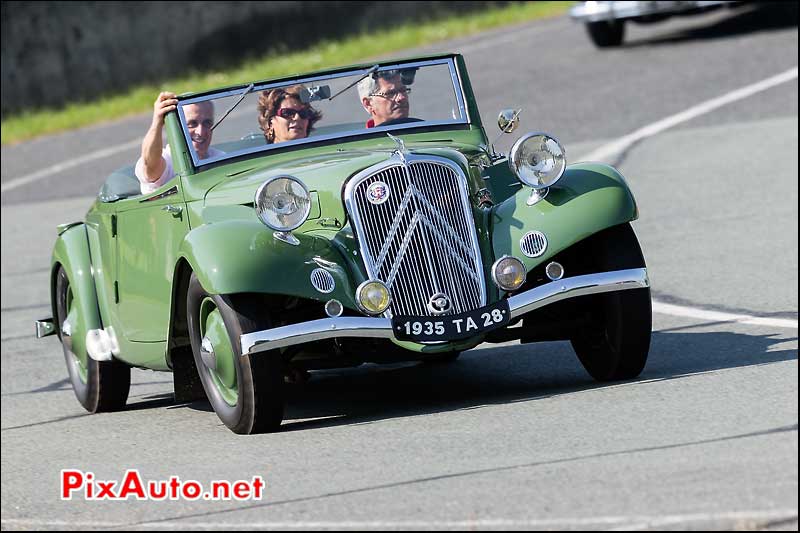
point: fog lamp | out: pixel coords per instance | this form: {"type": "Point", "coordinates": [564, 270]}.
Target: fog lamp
{"type": "Point", "coordinates": [373, 297]}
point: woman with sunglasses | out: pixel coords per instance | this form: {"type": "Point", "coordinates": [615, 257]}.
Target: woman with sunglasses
{"type": "Point", "coordinates": [283, 117]}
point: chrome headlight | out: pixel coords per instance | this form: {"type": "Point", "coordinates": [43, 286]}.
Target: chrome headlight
{"type": "Point", "coordinates": [538, 160]}
{"type": "Point", "coordinates": [283, 203]}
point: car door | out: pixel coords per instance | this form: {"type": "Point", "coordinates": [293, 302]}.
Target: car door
{"type": "Point", "coordinates": [150, 232]}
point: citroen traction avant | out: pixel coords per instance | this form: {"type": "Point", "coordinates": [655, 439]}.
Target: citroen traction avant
{"type": "Point", "coordinates": [410, 240]}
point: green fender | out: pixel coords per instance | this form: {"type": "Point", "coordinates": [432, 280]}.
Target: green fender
{"type": "Point", "coordinates": [71, 251]}
{"type": "Point", "coordinates": [243, 256]}
{"type": "Point", "coordinates": [590, 197]}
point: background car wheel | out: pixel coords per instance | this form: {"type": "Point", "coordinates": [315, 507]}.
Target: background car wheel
{"type": "Point", "coordinates": [247, 393]}
{"type": "Point", "coordinates": [616, 344]}
{"type": "Point", "coordinates": [98, 385]}
{"type": "Point", "coordinates": [606, 33]}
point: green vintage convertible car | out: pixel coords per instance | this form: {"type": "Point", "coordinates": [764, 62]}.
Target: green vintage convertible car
{"type": "Point", "coordinates": [365, 241]}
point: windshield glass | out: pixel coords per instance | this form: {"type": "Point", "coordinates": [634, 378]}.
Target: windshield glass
{"type": "Point", "coordinates": [271, 115]}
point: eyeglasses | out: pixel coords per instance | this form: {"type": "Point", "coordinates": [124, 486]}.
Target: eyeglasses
{"type": "Point", "coordinates": [289, 113]}
{"type": "Point", "coordinates": [393, 94]}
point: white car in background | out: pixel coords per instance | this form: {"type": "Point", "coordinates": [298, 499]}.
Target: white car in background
{"type": "Point", "coordinates": [605, 21]}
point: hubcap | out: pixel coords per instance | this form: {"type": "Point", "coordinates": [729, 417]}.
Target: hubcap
{"type": "Point", "coordinates": [207, 353]}
{"type": "Point", "coordinates": [217, 353]}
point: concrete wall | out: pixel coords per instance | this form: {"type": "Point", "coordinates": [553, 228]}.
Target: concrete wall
{"type": "Point", "coordinates": [57, 52]}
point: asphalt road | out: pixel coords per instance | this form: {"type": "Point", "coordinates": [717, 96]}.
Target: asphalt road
{"type": "Point", "coordinates": [510, 436]}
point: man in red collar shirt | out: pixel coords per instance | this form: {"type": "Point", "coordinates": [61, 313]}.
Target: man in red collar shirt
{"type": "Point", "coordinates": [385, 97]}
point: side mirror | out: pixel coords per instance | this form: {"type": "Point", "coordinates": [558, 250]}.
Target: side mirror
{"type": "Point", "coordinates": [508, 120]}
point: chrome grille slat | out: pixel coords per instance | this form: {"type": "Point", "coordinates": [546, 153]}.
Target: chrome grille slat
{"type": "Point", "coordinates": [421, 239]}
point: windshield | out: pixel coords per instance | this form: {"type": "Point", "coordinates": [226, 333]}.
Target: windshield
{"type": "Point", "coordinates": [262, 117]}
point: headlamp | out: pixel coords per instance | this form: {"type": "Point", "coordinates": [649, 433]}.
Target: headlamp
{"type": "Point", "coordinates": [538, 160]}
{"type": "Point", "coordinates": [283, 203]}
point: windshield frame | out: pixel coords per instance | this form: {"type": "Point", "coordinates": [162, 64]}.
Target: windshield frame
{"type": "Point", "coordinates": [458, 90]}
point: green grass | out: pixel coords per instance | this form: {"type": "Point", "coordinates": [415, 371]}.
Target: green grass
{"type": "Point", "coordinates": [30, 124]}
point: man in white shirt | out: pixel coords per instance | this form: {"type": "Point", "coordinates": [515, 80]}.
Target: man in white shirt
{"type": "Point", "coordinates": [154, 167]}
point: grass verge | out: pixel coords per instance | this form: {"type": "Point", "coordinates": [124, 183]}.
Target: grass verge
{"type": "Point", "coordinates": [31, 124]}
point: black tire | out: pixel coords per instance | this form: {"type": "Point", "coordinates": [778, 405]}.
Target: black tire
{"type": "Point", "coordinates": [606, 33]}
{"type": "Point", "coordinates": [259, 396]}
{"type": "Point", "coordinates": [616, 344]}
{"type": "Point", "coordinates": [99, 385]}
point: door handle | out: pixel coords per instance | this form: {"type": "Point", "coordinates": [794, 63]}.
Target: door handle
{"type": "Point", "coordinates": [175, 210]}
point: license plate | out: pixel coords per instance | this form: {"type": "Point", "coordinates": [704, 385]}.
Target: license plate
{"type": "Point", "coordinates": [451, 327]}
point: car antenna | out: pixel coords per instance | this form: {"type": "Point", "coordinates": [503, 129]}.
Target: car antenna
{"type": "Point", "coordinates": [367, 73]}
{"type": "Point", "coordinates": [228, 112]}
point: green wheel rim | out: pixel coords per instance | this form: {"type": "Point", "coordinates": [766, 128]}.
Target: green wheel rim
{"type": "Point", "coordinates": [224, 375]}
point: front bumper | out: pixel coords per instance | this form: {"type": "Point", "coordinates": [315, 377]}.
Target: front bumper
{"type": "Point", "coordinates": [597, 11]}
{"type": "Point", "coordinates": [555, 291]}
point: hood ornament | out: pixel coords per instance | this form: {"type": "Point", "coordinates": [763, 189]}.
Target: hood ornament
{"type": "Point", "coordinates": [401, 148]}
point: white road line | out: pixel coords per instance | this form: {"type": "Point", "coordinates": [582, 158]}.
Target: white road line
{"type": "Point", "coordinates": [69, 163]}
{"type": "Point", "coordinates": [622, 522]}
{"type": "Point", "coordinates": [608, 151]}
{"type": "Point", "coordinates": [714, 316]}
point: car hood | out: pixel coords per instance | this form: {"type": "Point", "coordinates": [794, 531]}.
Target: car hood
{"type": "Point", "coordinates": [321, 172]}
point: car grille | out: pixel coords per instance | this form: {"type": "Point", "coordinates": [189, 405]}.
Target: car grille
{"type": "Point", "coordinates": [420, 238]}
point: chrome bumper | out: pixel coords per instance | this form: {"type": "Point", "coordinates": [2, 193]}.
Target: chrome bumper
{"type": "Point", "coordinates": [555, 291]}
{"type": "Point", "coordinates": [597, 11]}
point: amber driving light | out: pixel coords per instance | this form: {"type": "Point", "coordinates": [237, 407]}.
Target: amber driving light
{"type": "Point", "coordinates": [372, 297]}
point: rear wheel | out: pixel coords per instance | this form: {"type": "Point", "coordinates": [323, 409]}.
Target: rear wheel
{"type": "Point", "coordinates": [606, 33]}
{"type": "Point", "coordinates": [246, 392]}
{"type": "Point", "coordinates": [98, 385]}
{"type": "Point", "coordinates": [616, 343]}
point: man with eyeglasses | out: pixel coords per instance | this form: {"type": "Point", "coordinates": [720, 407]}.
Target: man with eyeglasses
{"type": "Point", "coordinates": [385, 97]}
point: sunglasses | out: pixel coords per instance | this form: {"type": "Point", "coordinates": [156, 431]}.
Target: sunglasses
{"type": "Point", "coordinates": [289, 113]}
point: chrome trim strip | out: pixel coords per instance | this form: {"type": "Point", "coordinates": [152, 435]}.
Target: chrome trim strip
{"type": "Point", "coordinates": [555, 291]}
{"type": "Point", "coordinates": [169, 192]}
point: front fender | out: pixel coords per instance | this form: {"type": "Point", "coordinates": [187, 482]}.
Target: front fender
{"type": "Point", "coordinates": [243, 256]}
{"type": "Point", "coordinates": [590, 197]}
{"type": "Point", "coordinates": [71, 251]}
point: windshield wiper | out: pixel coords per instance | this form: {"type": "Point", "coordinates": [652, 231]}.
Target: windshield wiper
{"type": "Point", "coordinates": [239, 101]}
{"type": "Point", "coordinates": [371, 71]}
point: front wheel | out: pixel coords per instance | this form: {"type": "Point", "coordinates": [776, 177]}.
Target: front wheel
{"type": "Point", "coordinates": [616, 344]}
{"type": "Point", "coordinates": [606, 33]}
{"type": "Point", "coordinates": [246, 392]}
{"type": "Point", "coordinates": [98, 385]}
